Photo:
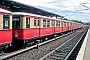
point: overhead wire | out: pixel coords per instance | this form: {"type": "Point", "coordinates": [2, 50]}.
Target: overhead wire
{"type": "Point", "coordinates": [76, 8]}
{"type": "Point", "coordinates": [82, 4]}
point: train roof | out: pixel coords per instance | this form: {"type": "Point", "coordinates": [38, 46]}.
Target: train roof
{"type": "Point", "coordinates": [29, 14]}
{"type": "Point", "coordinates": [5, 11]}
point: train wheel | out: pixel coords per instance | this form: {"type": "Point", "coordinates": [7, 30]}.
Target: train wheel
{"type": "Point", "coordinates": [46, 38]}
{"type": "Point", "coordinates": [41, 40]}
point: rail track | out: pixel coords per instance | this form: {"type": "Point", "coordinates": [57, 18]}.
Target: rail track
{"type": "Point", "coordinates": [64, 51]}
{"type": "Point", "coordinates": [7, 56]}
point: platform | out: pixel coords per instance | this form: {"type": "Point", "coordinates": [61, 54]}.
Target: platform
{"type": "Point", "coordinates": [84, 53]}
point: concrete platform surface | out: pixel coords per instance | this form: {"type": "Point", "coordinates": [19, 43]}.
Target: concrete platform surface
{"type": "Point", "coordinates": [84, 53]}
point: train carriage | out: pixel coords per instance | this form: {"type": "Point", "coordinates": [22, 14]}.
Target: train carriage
{"type": "Point", "coordinates": [30, 27]}
{"type": "Point", "coordinates": [26, 27]}
{"type": "Point", "coordinates": [5, 28]}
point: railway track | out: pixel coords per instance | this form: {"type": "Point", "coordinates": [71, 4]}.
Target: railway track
{"type": "Point", "coordinates": [31, 48]}
{"type": "Point", "coordinates": [63, 51]}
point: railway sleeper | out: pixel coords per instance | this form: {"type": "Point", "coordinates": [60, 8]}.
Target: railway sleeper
{"type": "Point", "coordinates": [58, 55]}
{"type": "Point", "coordinates": [61, 56]}
{"type": "Point", "coordinates": [55, 58]}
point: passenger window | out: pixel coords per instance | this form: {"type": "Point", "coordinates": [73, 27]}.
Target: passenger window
{"type": "Point", "coordinates": [44, 23]}
{"type": "Point", "coordinates": [48, 23]}
{"type": "Point", "coordinates": [52, 23]}
{"type": "Point", "coordinates": [67, 23]}
{"type": "Point", "coordinates": [56, 23]}
{"type": "Point", "coordinates": [6, 21]}
{"type": "Point", "coordinates": [34, 22]}
{"type": "Point", "coordinates": [59, 23]}
{"type": "Point", "coordinates": [71, 24]}
{"type": "Point", "coordinates": [16, 22]}
{"type": "Point", "coordinates": [64, 24]}
{"type": "Point", "coordinates": [38, 22]}
{"type": "Point", "coordinates": [27, 22]}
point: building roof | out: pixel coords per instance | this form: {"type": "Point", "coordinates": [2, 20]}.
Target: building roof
{"type": "Point", "coordinates": [14, 6]}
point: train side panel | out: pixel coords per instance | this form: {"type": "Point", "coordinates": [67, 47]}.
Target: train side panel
{"type": "Point", "coordinates": [58, 29]}
{"type": "Point", "coordinates": [5, 36]}
{"type": "Point", "coordinates": [46, 31]}
{"type": "Point", "coordinates": [65, 29]}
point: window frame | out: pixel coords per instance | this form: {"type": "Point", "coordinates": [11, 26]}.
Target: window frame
{"type": "Point", "coordinates": [27, 22]}
{"type": "Point", "coordinates": [35, 22]}
{"type": "Point", "coordinates": [48, 23]}
{"type": "Point", "coordinates": [44, 23]}
{"type": "Point", "coordinates": [57, 23]}
{"type": "Point", "coordinates": [38, 23]}
{"type": "Point", "coordinates": [15, 21]}
{"type": "Point", "coordinates": [64, 24]}
{"type": "Point", "coordinates": [4, 22]}
{"type": "Point", "coordinates": [53, 23]}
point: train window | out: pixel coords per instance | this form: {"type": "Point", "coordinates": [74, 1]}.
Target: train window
{"type": "Point", "coordinates": [59, 24]}
{"type": "Point", "coordinates": [56, 23]}
{"type": "Point", "coordinates": [48, 23]}
{"type": "Point", "coordinates": [67, 23]}
{"type": "Point", "coordinates": [34, 22]}
{"type": "Point", "coordinates": [16, 22]}
{"type": "Point", "coordinates": [52, 23]}
{"type": "Point", "coordinates": [64, 24]}
{"type": "Point", "coordinates": [27, 22]}
{"type": "Point", "coordinates": [6, 21]}
{"type": "Point", "coordinates": [38, 22]}
{"type": "Point", "coordinates": [70, 24]}
{"type": "Point", "coordinates": [44, 23]}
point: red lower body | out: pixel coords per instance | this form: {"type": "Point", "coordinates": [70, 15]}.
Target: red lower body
{"type": "Point", "coordinates": [5, 36]}
{"type": "Point", "coordinates": [65, 29]}
{"type": "Point", "coordinates": [39, 32]}
{"type": "Point", "coordinates": [5, 39]}
{"type": "Point", "coordinates": [34, 32]}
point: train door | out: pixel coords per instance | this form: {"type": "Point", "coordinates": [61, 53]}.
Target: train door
{"type": "Point", "coordinates": [68, 28]}
{"type": "Point", "coordinates": [37, 26]}
{"type": "Point", "coordinates": [15, 26]}
{"type": "Point", "coordinates": [53, 28]}
{"type": "Point", "coordinates": [16, 23]}
{"type": "Point", "coordinates": [62, 25]}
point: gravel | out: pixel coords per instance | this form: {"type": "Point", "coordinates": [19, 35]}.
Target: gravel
{"type": "Point", "coordinates": [36, 54]}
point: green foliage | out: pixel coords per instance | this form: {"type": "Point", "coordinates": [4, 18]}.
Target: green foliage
{"type": "Point", "coordinates": [77, 21]}
{"type": "Point", "coordinates": [87, 23]}
{"type": "Point", "coordinates": [84, 23]}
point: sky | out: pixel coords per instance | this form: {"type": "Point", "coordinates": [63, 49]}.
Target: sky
{"type": "Point", "coordinates": [71, 9]}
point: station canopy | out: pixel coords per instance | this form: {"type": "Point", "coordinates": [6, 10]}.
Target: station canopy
{"type": "Point", "coordinates": [14, 6]}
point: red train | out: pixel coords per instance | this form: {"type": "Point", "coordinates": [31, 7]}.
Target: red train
{"type": "Point", "coordinates": [5, 29]}
{"type": "Point", "coordinates": [21, 28]}
{"type": "Point", "coordinates": [28, 28]}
